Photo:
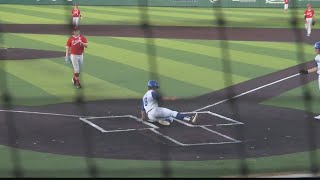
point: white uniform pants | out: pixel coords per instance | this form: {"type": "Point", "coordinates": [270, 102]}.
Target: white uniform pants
{"type": "Point", "coordinates": [75, 21]}
{"type": "Point", "coordinates": [77, 61]}
{"type": "Point", "coordinates": [160, 113]}
{"type": "Point", "coordinates": [308, 25]}
{"type": "Point", "coordinates": [286, 6]}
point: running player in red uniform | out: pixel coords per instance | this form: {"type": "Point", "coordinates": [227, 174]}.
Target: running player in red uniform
{"type": "Point", "coordinates": [76, 14]}
{"type": "Point", "coordinates": [309, 17]}
{"type": "Point", "coordinates": [286, 5]}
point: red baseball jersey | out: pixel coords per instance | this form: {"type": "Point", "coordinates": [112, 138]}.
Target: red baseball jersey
{"type": "Point", "coordinates": [309, 13]}
{"type": "Point", "coordinates": [74, 43]}
{"type": "Point", "coordinates": [75, 12]}
{"type": "Point", "coordinates": [286, 1]}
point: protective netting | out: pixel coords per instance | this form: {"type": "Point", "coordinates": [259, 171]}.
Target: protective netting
{"type": "Point", "coordinates": [151, 49]}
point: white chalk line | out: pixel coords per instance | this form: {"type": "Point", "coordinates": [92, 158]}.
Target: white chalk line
{"type": "Point", "coordinates": [167, 137]}
{"type": "Point", "coordinates": [86, 119]}
{"type": "Point", "coordinates": [92, 125]}
{"type": "Point", "coordinates": [247, 92]}
{"type": "Point", "coordinates": [223, 135]}
{"type": "Point", "coordinates": [40, 113]}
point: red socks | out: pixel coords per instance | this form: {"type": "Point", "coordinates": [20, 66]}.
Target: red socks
{"type": "Point", "coordinates": [76, 78]}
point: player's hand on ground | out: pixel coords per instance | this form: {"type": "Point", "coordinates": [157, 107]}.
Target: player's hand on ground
{"type": "Point", "coordinates": [303, 71]}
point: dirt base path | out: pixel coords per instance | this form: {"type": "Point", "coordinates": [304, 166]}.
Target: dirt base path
{"type": "Point", "coordinates": [242, 34]}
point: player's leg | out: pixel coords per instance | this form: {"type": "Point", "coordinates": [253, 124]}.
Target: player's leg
{"type": "Point", "coordinates": [152, 118]}
{"type": "Point", "coordinates": [77, 21]}
{"type": "Point", "coordinates": [309, 24]}
{"type": "Point", "coordinates": [171, 115]}
{"type": "Point", "coordinates": [75, 59]}
{"type": "Point", "coordinates": [73, 21]}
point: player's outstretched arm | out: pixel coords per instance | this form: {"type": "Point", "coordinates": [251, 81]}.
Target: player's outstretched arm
{"type": "Point", "coordinates": [303, 71]}
{"type": "Point", "coordinates": [169, 98]}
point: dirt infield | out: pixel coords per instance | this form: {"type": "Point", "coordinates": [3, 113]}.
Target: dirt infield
{"type": "Point", "coordinates": [27, 54]}
{"type": "Point", "coordinates": [114, 130]}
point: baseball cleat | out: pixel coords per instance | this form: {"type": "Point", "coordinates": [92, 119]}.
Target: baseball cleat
{"type": "Point", "coordinates": [164, 122]}
{"type": "Point", "coordinates": [194, 118]}
{"type": "Point", "coordinates": [73, 82]}
{"type": "Point", "coordinates": [78, 86]}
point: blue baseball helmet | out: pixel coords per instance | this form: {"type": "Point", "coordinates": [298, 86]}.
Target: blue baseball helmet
{"type": "Point", "coordinates": [153, 84]}
{"type": "Point", "coordinates": [317, 45]}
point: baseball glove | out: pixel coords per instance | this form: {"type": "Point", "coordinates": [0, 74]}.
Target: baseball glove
{"type": "Point", "coordinates": [303, 71]}
{"type": "Point", "coordinates": [313, 22]}
{"type": "Point", "coordinates": [67, 59]}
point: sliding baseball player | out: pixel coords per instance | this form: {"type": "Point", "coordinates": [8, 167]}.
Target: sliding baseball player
{"type": "Point", "coordinates": [150, 108]}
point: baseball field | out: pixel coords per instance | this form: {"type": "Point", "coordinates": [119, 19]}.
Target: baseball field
{"type": "Point", "coordinates": [265, 122]}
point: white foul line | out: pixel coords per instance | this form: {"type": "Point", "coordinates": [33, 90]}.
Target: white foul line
{"type": "Point", "coordinates": [41, 113]}
{"type": "Point", "coordinates": [247, 92]}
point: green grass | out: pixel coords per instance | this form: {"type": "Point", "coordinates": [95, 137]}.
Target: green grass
{"type": "Point", "coordinates": [118, 67]}
{"type": "Point", "coordinates": [35, 164]}
{"type": "Point", "coordinates": [295, 98]}
{"type": "Point", "coordinates": [178, 16]}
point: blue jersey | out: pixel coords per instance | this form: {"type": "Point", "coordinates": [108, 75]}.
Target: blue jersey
{"type": "Point", "coordinates": [150, 100]}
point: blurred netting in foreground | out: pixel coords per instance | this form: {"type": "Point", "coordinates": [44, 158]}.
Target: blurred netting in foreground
{"type": "Point", "coordinates": [145, 25]}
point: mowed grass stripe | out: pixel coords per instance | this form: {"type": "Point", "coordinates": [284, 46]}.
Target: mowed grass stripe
{"type": "Point", "coordinates": [249, 58]}
{"type": "Point", "coordinates": [37, 73]}
{"type": "Point", "coordinates": [97, 64]}
{"type": "Point", "coordinates": [13, 17]}
{"type": "Point", "coordinates": [169, 68]}
{"type": "Point", "coordinates": [307, 48]}
{"type": "Point", "coordinates": [37, 12]}
{"type": "Point", "coordinates": [235, 55]}
{"type": "Point", "coordinates": [61, 16]}
{"type": "Point", "coordinates": [22, 92]}
{"type": "Point", "coordinates": [134, 14]}
{"type": "Point", "coordinates": [116, 15]}
{"type": "Point", "coordinates": [255, 48]}
{"type": "Point", "coordinates": [192, 57]}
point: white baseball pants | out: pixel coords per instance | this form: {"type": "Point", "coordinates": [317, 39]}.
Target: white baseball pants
{"type": "Point", "coordinates": [286, 6]}
{"type": "Point", "coordinates": [308, 25]}
{"type": "Point", "coordinates": [75, 21]}
{"type": "Point", "coordinates": [160, 113]}
{"type": "Point", "coordinates": [77, 61]}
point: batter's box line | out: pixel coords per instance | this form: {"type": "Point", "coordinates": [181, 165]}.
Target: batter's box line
{"type": "Point", "coordinates": [196, 144]}
{"type": "Point", "coordinates": [87, 121]}
{"type": "Point", "coordinates": [234, 122]}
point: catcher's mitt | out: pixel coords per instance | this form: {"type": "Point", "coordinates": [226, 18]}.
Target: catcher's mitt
{"type": "Point", "coordinates": [313, 22]}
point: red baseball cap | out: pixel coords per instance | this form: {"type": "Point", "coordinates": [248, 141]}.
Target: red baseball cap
{"type": "Point", "coordinates": [309, 5]}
